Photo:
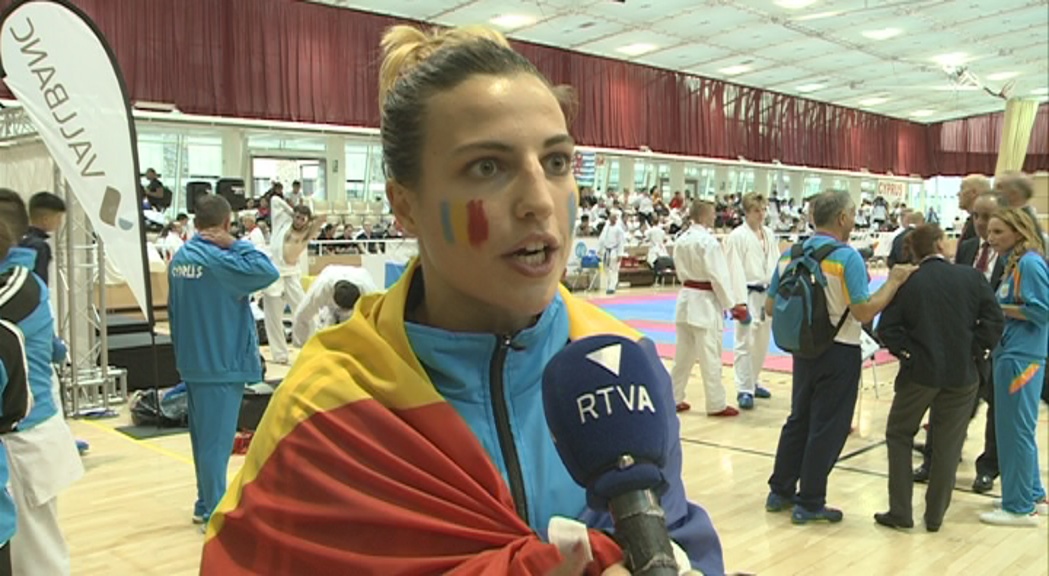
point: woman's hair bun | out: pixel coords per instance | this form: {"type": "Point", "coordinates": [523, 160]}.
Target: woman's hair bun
{"type": "Point", "coordinates": [405, 47]}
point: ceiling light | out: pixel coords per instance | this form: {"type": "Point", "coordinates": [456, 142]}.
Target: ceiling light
{"type": "Point", "coordinates": [734, 70]}
{"type": "Point", "coordinates": [810, 87]}
{"type": "Point", "coordinates": [636, 49]}
{"type": "Point", "coordinates": [998, 76]}
{"type": "Point", "coordinates": [794, 4]}
{"type": "Point", "coordinates": [951, 59]}
{"type": "Point", "coordinates": [873, 101]}
{"type": "Point", "coordinates": [512, 21]}
{"type": "Point", "coordinates": [816, 16]}
{"type": "Point", "coordinates": [922, 113]}
{"type": "Point", "coordinates": [883, 34]}
{"type": "Point", "coordinates": [1040, 91]}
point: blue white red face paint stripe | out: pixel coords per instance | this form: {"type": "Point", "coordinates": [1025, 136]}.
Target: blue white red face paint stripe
{"type": "Point", "coordinates": [464, 222]}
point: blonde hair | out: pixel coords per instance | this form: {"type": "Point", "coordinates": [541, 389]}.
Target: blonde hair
{"type": "Point", "coordinates": [405, 47]}
{"type": "Point", "coordinates": [1023, 225]}
{"type": "Point", "coordinates": [418, 64]}
{"type": "Point", "coordinates": [753, 201]}
{"type": "Point", "coordinates": [978, 183]}
{"type": "Point", "coordinates": [699, 208]}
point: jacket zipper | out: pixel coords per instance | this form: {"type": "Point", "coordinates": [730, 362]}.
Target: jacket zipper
{"type": "Point", "coordinates": [503, 429]}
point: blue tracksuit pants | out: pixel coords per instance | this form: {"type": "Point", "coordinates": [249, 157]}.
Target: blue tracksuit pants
{"type": "Point", "coordinates": [213, 412]}
{"type": "Point", "coordinates": [1017, 391]}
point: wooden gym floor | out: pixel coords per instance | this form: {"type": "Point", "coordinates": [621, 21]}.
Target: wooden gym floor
{"type": "Point", "coordinates": [130, 514]}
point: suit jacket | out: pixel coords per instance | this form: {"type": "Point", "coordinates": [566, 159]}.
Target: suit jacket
{"type": "Point", "coordinates": [937, 334]}
{"type": "Point", "coordinates": [966, 255]}
{"type": "Point", "coordinates": [968, 230]}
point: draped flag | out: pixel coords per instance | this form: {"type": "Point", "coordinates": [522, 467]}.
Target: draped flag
{"type": "Point", "coordinates": [359, 466]}
{"type": "Point", "coordinates": [63, 73]}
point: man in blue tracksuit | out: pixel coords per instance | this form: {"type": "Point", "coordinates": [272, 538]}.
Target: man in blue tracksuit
{"type": "Point", "coordinates": [16, 396]}
{"type": "Point", "coordinates": [215, 340]}
{"type": "Point", "coordinates": [41, 454]}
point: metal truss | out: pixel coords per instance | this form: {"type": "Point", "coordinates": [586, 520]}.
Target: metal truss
{"type": "Point", "coordinates": [15, 124]}
{"type": "Point", "coordinates": [88, 383]}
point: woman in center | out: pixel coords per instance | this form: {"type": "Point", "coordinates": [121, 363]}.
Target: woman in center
{"type": "Point", "coordinates": [411, 439]}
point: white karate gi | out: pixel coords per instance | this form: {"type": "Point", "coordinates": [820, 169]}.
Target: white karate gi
{"type": "Point", "coordinates": [42, 461]}
{"type": "Point", "coordinates": [610, 248]}
{"type": "Point", "coordinates": [318, 309]}
{"type": "Point", "coordinates": [752, 259]}
{"type": "Point", "coordinates": [286, 290]}
{"type": "Point", "coordinates": [698, 257]}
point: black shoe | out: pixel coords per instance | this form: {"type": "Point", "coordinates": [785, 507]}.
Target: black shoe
{"type": "Point", "coordinates": [983, 483]}
{"type": "Point", "coordinates": [932, 527]}
{"type": "Point", "coordinates": [921, 474]}
{"type": "Point", "coordinates": [888, 520]}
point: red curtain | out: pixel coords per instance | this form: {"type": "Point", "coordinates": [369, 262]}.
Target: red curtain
{"type": "Point", "coordinates": [970, 145]}
{"type": "Point", "coordinates": [299, 61]}
{"type": "Point", "coordinates": [269, 59]}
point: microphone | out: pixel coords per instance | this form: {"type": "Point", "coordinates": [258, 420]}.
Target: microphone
{"type": "Point", "coordinates": [608, 416]}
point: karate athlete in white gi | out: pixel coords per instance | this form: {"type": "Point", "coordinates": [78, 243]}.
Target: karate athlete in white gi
{"type": "Point", "coordinates": [752, 253]}
{"type": "Point", "coordinates": [707, 292]}
{"type": "Point", "coordinates": [293, 228]}
{"type": "Point", "coordinates": [329, 301]}
{"type": "Point", "coordinates": [611, 246]}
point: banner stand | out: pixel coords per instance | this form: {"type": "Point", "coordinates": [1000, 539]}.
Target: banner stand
{"type": "Point", "coordinates": [62, 71]}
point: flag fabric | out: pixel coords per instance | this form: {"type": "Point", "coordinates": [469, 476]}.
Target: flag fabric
{"type": "Point", "coordinates": [584, 168]}
{"type": "Point", "coordinates": [65, 77]}
{"type": "Point", "coordinates": [360, 467]}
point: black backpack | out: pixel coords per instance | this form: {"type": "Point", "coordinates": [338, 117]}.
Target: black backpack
{"type": "Point", "coordinates": [801, 322]}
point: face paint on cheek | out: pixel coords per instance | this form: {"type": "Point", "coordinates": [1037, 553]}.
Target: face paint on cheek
{"type": "Point", "coordinates": [573, 210]}
{"type": "Point", "coordinates": [476, 223]}
{"type": "Point", "coordinates": [446, 223]}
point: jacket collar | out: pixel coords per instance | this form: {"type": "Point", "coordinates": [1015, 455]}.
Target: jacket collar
{"type": "Point", "coordinates": [384, 313]}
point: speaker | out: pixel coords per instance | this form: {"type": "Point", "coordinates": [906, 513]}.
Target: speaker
{"type": "Point", "coordinates": [232, 189]}
{"type": "Point", "coordinates": [133, 352]}
{"type": "Point", "coordinates": [195, 190]}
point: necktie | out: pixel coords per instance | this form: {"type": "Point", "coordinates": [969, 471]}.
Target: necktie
{"type": "Point", "coordinates": [981, 262]}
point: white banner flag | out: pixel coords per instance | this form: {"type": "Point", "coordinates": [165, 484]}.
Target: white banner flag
{"type": "Point", "coordinates": [62, 73]}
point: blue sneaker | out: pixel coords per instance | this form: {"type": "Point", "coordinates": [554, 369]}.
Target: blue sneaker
{"type": "Point", "coordinates": [200, 513]}
{"type": "Point", "coordinates": [745, 400]}
{"type": "Point", "coordinates": [801, 515]}
{"type": "Point", "coordinates": [82, 446]}
{"type": "Point", "coordinates": [762, 393]}
{"type": "Point", "coordinates": [777, 503]}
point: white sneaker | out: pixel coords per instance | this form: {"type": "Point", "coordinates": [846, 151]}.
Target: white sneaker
{"type": "Point", "coordinates": [1002, 518]}
{"type": "Point", "coordinates": [1040, 508]}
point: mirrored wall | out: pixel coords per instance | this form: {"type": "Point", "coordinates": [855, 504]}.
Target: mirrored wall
{"type": "Point", "coordinates": [338, 169]}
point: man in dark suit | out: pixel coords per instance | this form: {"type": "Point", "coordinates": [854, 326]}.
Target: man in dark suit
{"type": "Point", "coordinates": [937, 334]}
{"type": "Point", "coordinates": [973, 186]}
{"type": "Point", "coordinates": [977, 253]}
